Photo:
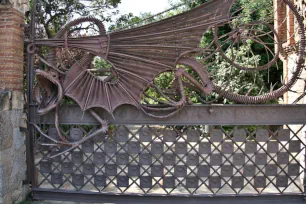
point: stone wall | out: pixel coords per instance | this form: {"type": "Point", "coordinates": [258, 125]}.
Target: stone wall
{"type": "Point", "coordinates": [12, 141]}
{"type": "Point", "coordinates": [12, 149]}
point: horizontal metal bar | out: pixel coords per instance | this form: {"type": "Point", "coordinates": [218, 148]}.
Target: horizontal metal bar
{"type": "Point", "coordinates": [190, 115]}
{"type": "Point", "coordinates": [90, 197]}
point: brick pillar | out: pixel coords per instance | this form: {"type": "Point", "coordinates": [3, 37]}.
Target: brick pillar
{"type": "Point", "coordinates": [11, 49]}
{"type": "Point", "coordinates": [280, 24]}
{"type": "Point", "coordinates": [12, 141]}
{"type": "Point", "coordinates": [284, 26]}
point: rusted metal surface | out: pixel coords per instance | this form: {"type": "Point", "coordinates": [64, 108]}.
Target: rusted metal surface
{"type": "Point", "coordinates": [190, 115]}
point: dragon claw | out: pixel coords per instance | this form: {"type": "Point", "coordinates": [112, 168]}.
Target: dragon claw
{"type": "Point", "coordinates": [105, 126]}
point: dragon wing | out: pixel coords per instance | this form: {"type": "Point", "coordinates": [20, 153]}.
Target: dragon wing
{"type": "Point", "coordinates": [138, 55]}
{"type": "Point", "coordinates": [165, 40]}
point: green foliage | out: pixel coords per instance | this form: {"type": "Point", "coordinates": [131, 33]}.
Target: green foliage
{"type": "Point", "coordinates": [239, 80]}
{"type": "Point", "coordinates": [246, 82]}
{"type": "Point", "coordinates": [261, 10]}
{"type": "Point", "coordinates": [100, 63]}
{"type": "Point", "coordinates": [130, 20]}
{"type": "Point", "coordinates": [54, 14]}
{"type": "Point", "coordinates": [125, 21]}
{"type": "Point", "coordinates": [164, 81]}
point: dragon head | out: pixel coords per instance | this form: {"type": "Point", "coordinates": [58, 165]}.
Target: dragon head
{"type": "Point", "coordinates": [48, 92]}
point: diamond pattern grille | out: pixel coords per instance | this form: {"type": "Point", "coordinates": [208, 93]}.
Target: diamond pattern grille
{"type": "Point", "coordinates": [176, 160]}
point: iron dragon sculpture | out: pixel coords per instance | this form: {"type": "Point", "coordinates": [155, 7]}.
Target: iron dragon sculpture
{"type": "Point", "coordinates": [137, 56]}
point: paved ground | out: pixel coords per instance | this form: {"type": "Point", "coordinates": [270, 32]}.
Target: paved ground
{"type": "Point", "coordinates": [241, 200]}
{"type": "Point", "coordinates": [284, 199]}
{"type": "Point", "coordinates": [52, 202]}
{"type": "Point", "coordinates": [29, 201]}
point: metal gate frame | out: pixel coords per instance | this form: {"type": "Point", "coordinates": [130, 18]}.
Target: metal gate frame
{"type": "Point", "coordinates": [191, 115]}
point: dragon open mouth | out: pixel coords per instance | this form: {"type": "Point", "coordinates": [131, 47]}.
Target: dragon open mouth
{"type": "Point", "coordinates": [48, 92]}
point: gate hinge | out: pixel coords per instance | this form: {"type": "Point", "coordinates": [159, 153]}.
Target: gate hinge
{"type": "Point", "coordinates": [304, 198]}
{"type": "Point", "coordinates": [24, 130]}
{"type": "Point", "coordinates": [24, 25]}
{"type": "Point", "coordinates": [25, 182]}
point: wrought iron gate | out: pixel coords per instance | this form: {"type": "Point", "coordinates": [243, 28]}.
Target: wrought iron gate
{"type": "Point", "coordinates": [149, 157]}
{"type": "Point", "coordinates": [255, 152]}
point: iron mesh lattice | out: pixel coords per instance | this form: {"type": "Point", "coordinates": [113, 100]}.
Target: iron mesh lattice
{"type": "Point", "coordinates": [177, 160]}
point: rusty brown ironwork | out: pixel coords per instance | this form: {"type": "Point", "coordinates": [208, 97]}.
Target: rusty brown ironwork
{"type": "Point", "coordinates": [138, 55]}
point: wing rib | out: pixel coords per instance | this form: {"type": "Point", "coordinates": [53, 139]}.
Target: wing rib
{"type": "Point", "coordinates": [75, 80]}
{"type": "Point", "coordinates": [108, 99]}
{"type": "Point", "coordinates": [135, 101]}
{"type": "Point", "coordinates": [139, 58]}
{"type": "Point", "coordinates": [88, 95]}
